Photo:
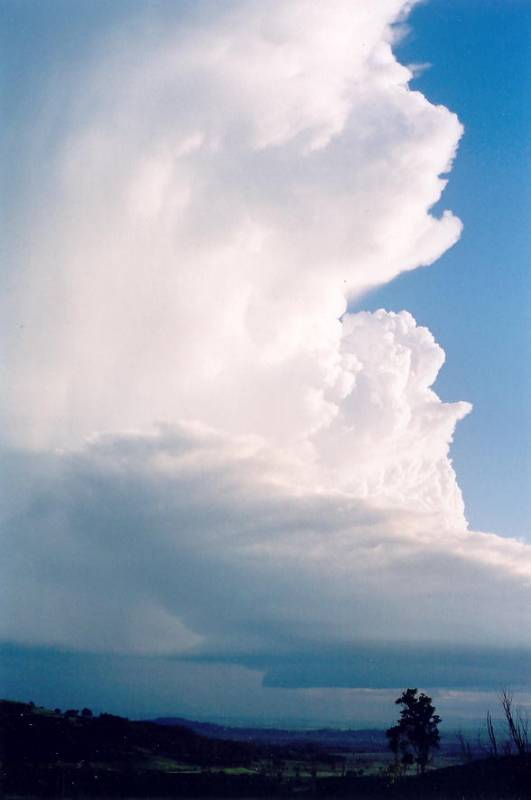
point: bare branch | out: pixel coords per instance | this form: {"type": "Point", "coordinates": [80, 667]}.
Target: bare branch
{"type": "Point", "coordinates": [516, 724]}
{"type": "Point", "coordinates": [492, 736]}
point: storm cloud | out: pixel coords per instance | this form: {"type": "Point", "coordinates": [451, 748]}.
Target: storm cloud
{"type": "Point", "coordinates": [207, 457]}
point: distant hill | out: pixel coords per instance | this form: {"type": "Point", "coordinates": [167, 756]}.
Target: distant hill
{"type": "Point", "coordinates": [369, 740]}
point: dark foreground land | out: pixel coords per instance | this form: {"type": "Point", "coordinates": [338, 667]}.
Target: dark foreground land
{"type": "Point", "coordinates": [47, 753]}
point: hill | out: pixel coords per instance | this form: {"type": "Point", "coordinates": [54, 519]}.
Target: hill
{"type": "Point", "coordinates": [370, 740]}
{"type": "Point", "coordinates": [49, 753]}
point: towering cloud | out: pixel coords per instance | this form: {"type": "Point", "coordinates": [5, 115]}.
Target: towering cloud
{"type": "Point", "coordinates": [188, 396]}
{"type": "Point", "coordinates": [223, 183]}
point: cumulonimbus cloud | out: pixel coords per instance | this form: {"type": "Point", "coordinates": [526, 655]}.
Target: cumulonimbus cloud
{"type": "Point", "coordinates": [194, 422]}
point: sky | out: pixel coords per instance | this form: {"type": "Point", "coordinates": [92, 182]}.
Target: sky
{"type": "Point", "coordinates": [260, 268]}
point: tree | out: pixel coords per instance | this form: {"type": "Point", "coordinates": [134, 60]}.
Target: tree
{"type": "Point", "coordinates": [417, 732]}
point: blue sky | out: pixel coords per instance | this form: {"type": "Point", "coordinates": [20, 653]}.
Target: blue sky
{"type": "Point", "coordinates": [219, 500]}
{"type": "Point", "coordinates": [477, 298]}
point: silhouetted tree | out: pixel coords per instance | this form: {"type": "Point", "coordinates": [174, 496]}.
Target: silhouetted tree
{"type": "Point", "coordinates": [417, 732]}
{"type": "Point", "coordinates": [86, 713]}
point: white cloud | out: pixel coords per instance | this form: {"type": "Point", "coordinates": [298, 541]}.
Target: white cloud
{"type": "Point", "coordinates": [225, 180]}
{"type": "Point", "coordinates": [223, 183]}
